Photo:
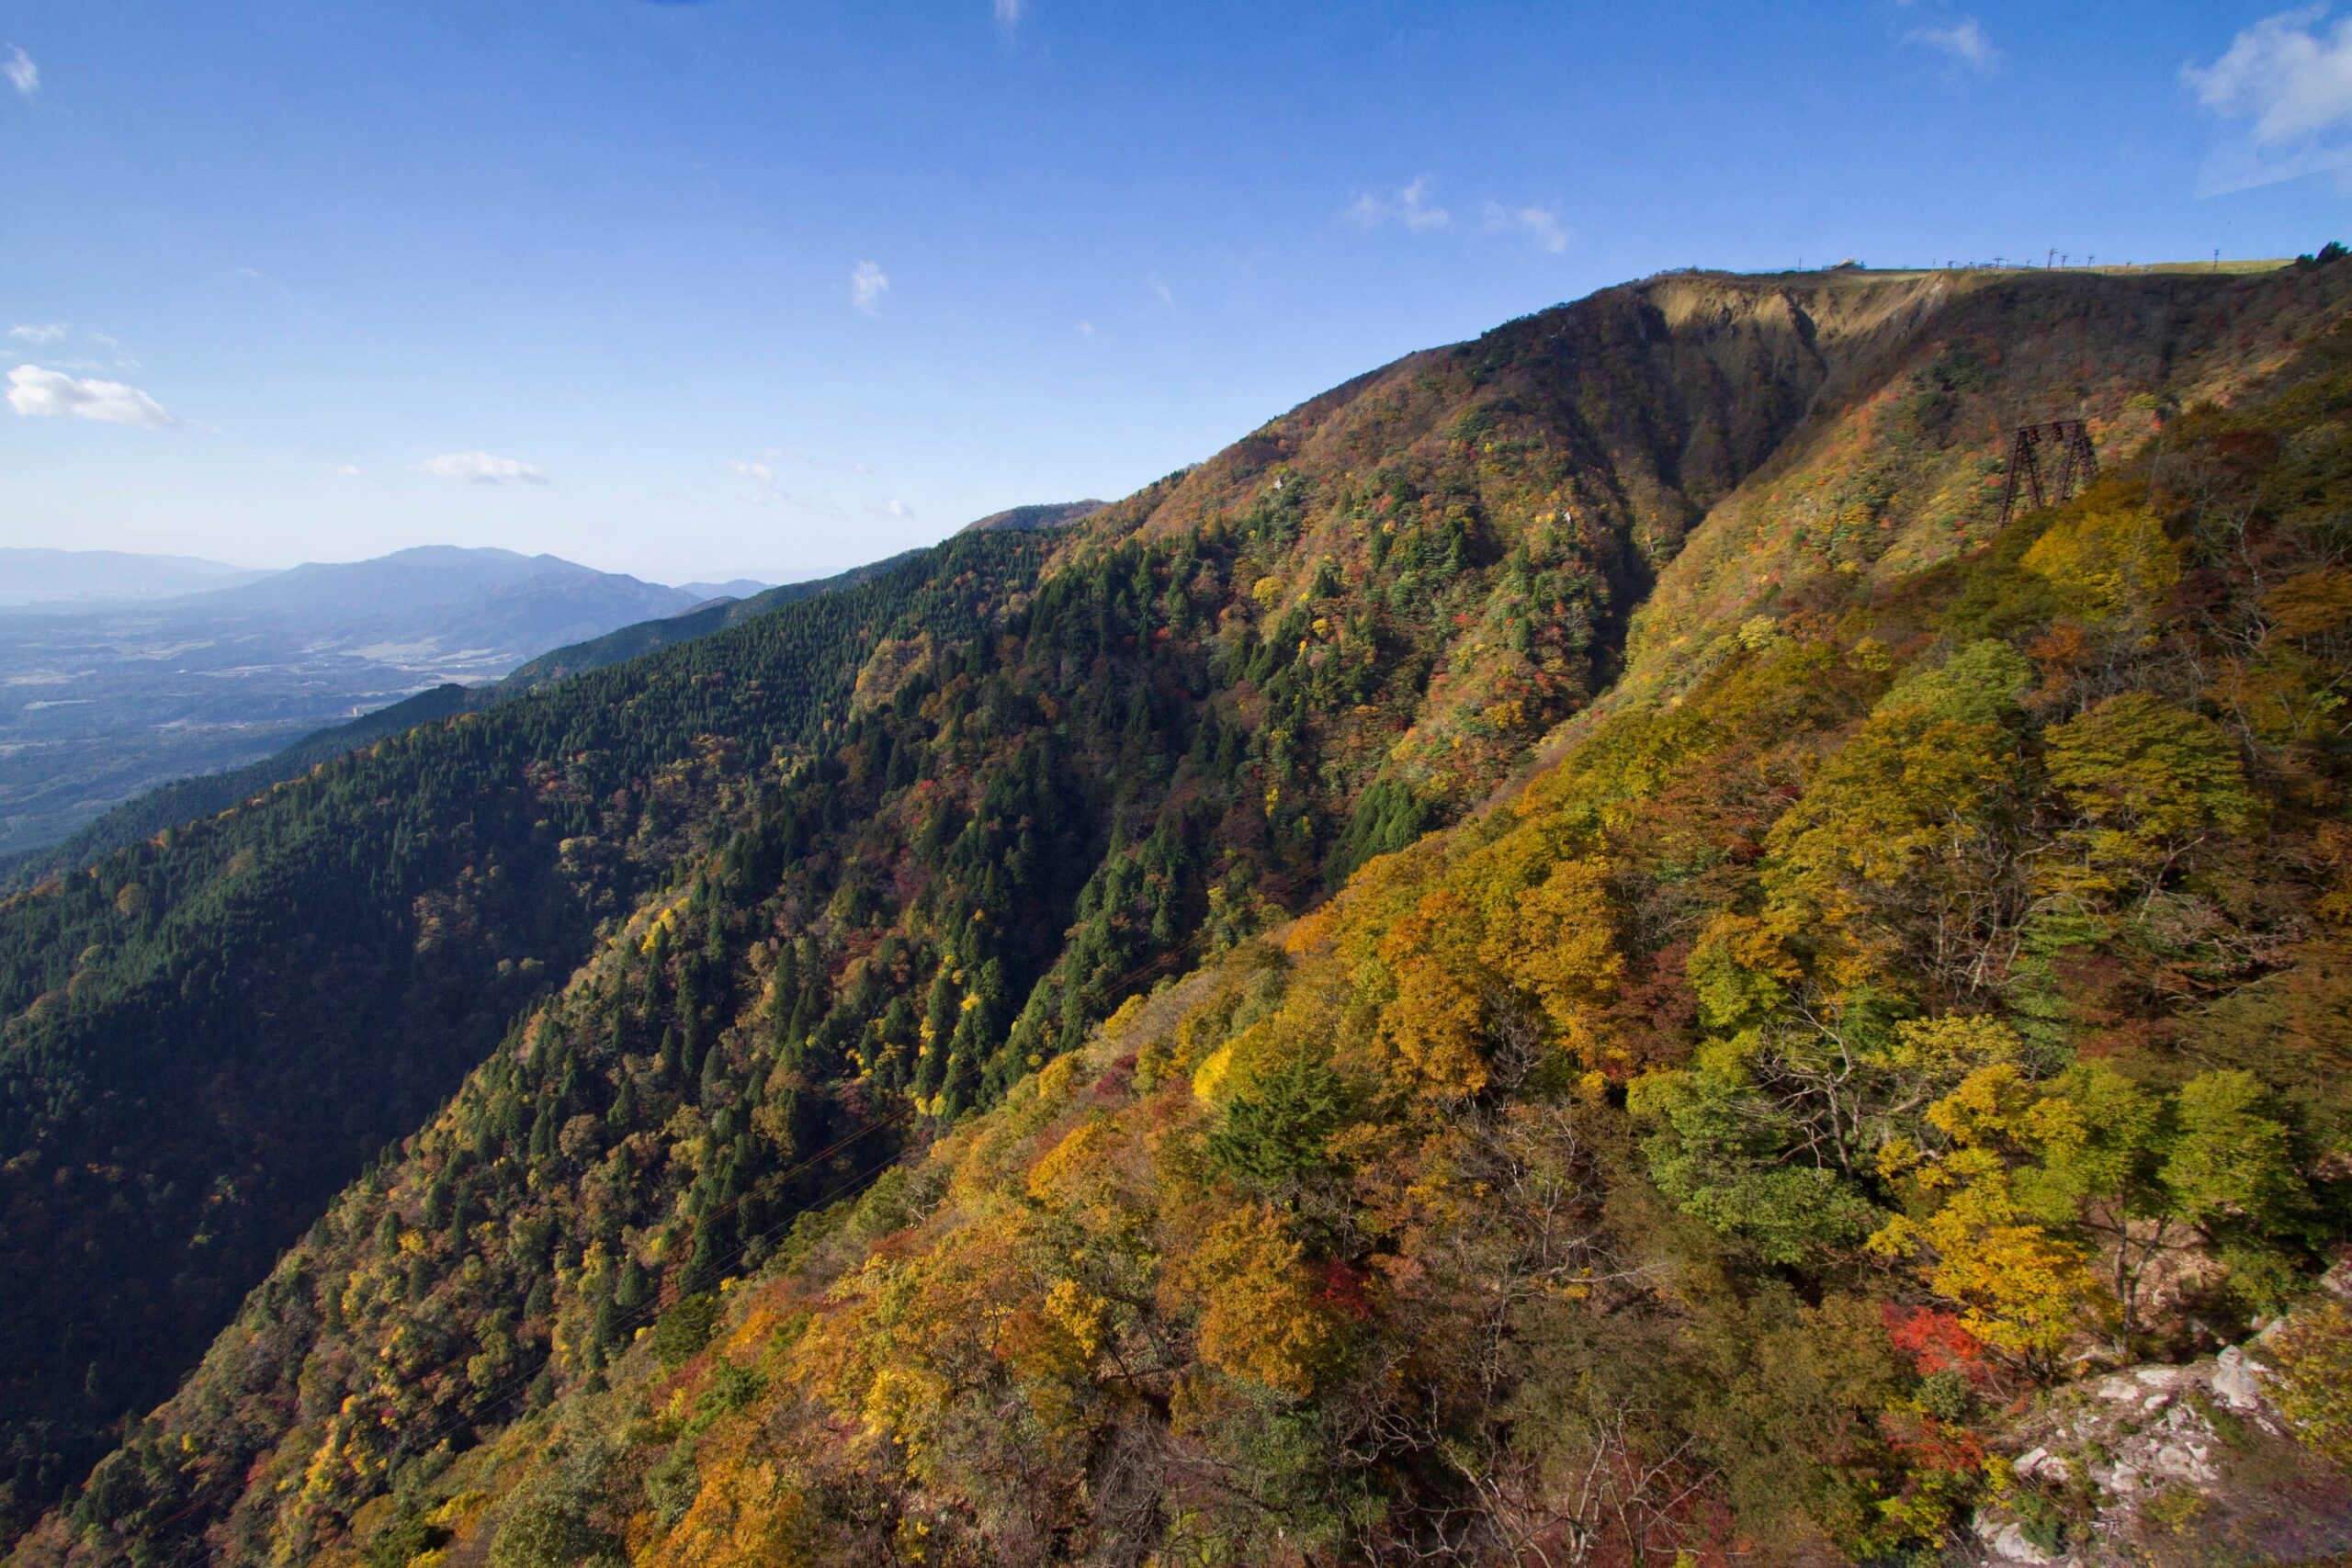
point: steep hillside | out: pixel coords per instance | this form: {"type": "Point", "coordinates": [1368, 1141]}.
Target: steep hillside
{"type": "Point", "coordinates": [183, 800]}
{"type": "Point", "coordinates": [668, 631]}
{"type": "Point", "coordinates": [1256, 1299]}
{"type": "Point", "coordinates": [207, 794]}
{"type": "Point", "coordinates": [211, 1030]}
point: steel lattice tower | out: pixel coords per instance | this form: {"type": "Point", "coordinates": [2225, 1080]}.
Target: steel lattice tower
{"type": "Point", "coordinates": [2068, 442]}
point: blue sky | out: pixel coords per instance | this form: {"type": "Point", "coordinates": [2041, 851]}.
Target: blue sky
{"type": "Point", "coordinates": [774, 285]}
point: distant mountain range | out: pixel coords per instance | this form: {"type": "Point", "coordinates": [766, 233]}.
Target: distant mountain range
{"type": "Point", "coordinates": [67, 577]}
{"type": "Point", "coordinates": [121, 672]}
{"type": "Point", "coordinates": [452, 611]}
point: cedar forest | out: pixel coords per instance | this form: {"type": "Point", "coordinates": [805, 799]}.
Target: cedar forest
{"type": "Point", "coordinates": [1569, 953]}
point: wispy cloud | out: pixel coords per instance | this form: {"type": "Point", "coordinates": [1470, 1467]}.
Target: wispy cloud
{"type": "Point", "coordinates": [48, 333]}
{"type": "Point", "coordinates": [1963, 41]}
{"type": "Point", "coordinates": [1159, 290]}
{"type": "Point", "coordinates": [1009, 13]}
{"type": "Point", "coordinates": [36, 393]}
{"type": "Point", "coordinates": [769, 487]}
{"type": "Point", "coordinates": [797, 458]}
{"type": "Point", "coordinates": [1538, 223]}
{"type": "Point", "coordinates": [479, 467]}
{"type": "Point", "coordinates": [868, 284]}
{"type": "Point", "coordinates": [345, 470]}
{"type": "Point", "coordinates": [1086, 329]}
{"type": "Point", "coordinates": [1409, 205]}
{"type": "Point", "coordinates": [2287, 81]}
{"type": "Point", "coordinates": [892, 507]}
{"type": "Point", "coordinates": [22, 73]}
{"type": "Point", "coordinates": [123, 358]}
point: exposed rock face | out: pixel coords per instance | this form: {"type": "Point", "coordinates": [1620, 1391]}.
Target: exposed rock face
{"type": "Point", "coordinates": [2164, 1464]}
{"type": "Point", "coordinates": [2235, 1379]}
{"type": "Point", "coordinates": [2006, 1542]}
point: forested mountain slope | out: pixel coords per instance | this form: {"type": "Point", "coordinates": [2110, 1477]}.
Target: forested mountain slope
{"type": "Point", "coordinates": [210, 1032]}
{"type": "Point", "coordinates": [1255, 1297]}
{"type": "Point", "coordinates": [206, 794]}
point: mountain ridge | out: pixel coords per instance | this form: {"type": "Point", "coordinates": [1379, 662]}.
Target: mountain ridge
{"type": "Point", "coordinates": [1048, 515]}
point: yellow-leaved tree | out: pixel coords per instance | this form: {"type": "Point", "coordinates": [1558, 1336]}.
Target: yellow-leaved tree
{"type": "Point", "coordinates": [2108, 565]}
{"type": "Point", "coordinates": [1431, 1027]}
{"type": "Point", "coordinates": [2149, 780]}
{"type": "Point", "coordinates": [1558, 940]}
{"type": "Point", "coordinates": [2019, 1287]}
{"type": "Point", "coordinates": [1259, 1315]}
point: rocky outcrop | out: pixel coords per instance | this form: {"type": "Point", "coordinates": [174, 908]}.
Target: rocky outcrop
{"type": "Point", "coordinates": [2167, 1464]}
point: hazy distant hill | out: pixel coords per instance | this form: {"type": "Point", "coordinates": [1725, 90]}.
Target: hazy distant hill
{"type": "Point", "coordinates": [737, 588]}
{"type": "Point", "coordinates": [102, 700]}
{"type": "Point", "coordinates": [440, 605]}
{"type": "Point", "coordinates": [50, 577]}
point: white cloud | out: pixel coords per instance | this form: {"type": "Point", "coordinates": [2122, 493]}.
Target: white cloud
{"type": "Point", "coordinates": [36, 393]}
{"type": "Point", "coordinates": [22, 73]}
{"type": "Point", "coordinates": [1964, 41]}
{"type": "Point", "coordinates": [894, 507]}
{"type": "Point", "coordinates": [1086, 329]}
{"type": "Point", "coordinates": [1159, 290]}
{"type": "Point", "coordinates": [868, 284]}
{"type": "Point", "coordinates": [1009, 12]}
{"type": "Point", "coordinates": [2290, 76]}
{"type": "Point", "coordinates": [41, 332]}
{"type": "Point", "coordinates": [1408, 204]}
{"type": "Point", "coordinates": [345, 470]}
{"type": "Point", "coordinates": [479, 467]}
{"type": "Point", "coordinates": [1539, 223]}
{"type": "Point", "coordinates": [759, 471]}
{"type": "Point", "coordinates": [2287, 81]}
